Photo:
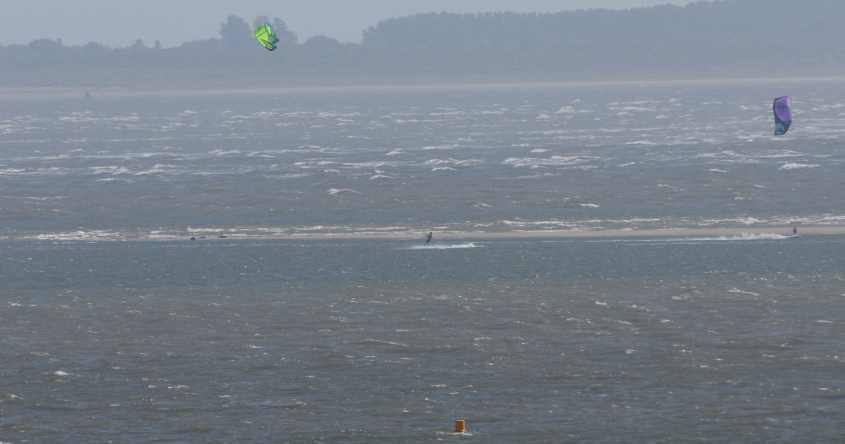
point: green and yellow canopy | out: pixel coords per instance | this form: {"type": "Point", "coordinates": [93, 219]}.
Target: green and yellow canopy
{"type": "Point", "coordinates": [265, 35]}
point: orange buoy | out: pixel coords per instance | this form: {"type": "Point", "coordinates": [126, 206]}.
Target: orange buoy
{"type": "Point", "coordinates": [460, 426]}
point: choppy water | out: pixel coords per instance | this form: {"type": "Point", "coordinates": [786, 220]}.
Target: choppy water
{"type": "Point", "coordinates": [273, 341]}
{"type": "Point", "coordinates": [733, 338]}
{"type": "Point", "coordinates": [588, 158]}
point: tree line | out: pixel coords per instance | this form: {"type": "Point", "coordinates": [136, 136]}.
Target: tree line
{"type": "Point", "coordinates": [722, 38]}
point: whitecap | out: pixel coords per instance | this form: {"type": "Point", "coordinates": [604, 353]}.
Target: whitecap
{"type": "Point", "coordinates": [642, 143]}
{"type": "Point", "coordinates": [439, 147]}
{"type": "Point", "coordinates": [221, 153]}
{"type": "Point", "coordinates": [114, 170]}
{"type": "Point", "coordinates": [336, 191]}
{"type": "Point", "coordinates": [533, 162]}
{"type": "Point", "coordinates": [743, 292]}
{"type": "Point", "coordinates": [453, 162]}
{"type": "Point", "coordinates": [745, 237]}
{"type": "Point", "coordinates": [797, 166]}
{"type": "Point", "coordinates": [459, 246]}
{"type": "Point", "coordinates": [158, 168]}
{"type": "Point", "coordinates": [384, 342]}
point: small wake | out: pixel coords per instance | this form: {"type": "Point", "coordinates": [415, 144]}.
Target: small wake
{"type": "Point", "coordinates": [461, 246]}
{"type": "Point", "coordinates": [740, 237]}
{"type": "Point", "coordinates": [745, 237]}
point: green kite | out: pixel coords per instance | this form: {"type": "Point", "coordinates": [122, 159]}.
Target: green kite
{"type": "Point", "coordinates": [265, 35]}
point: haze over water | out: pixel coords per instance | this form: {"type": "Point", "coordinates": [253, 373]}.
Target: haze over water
{"type": "Point", "coordinates": [267, 337]}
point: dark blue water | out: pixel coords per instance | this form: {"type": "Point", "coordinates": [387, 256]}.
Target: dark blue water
{"type": "Point", "coordinates": [374, 341]}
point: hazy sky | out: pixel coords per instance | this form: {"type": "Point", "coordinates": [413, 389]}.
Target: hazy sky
{"type": "Point", "coordinates": [120, 22]}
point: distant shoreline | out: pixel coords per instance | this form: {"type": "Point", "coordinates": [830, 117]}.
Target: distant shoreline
{"type": "Point", "coordinates": [47, 92]}
{"type": "Point", "coordinates": [729, 233]}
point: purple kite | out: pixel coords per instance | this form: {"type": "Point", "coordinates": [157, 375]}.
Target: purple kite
{"type": "Point", "coordinates": [783, 115]}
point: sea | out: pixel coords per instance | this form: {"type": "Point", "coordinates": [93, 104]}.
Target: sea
{"type": "Point", "coordinates": [250, 266]}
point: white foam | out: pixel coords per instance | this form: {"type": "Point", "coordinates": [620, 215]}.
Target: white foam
{"type": "Point", "coordinates": [460, 246]}
{"type": "Point", "coordinates": [35, 198]}
{"type": "Point", "coordinates": [797, 166]}
{"type": "Point", "coordinates": [336, 191]}
{"type": "Point", "coordinates": [743, 292]}
{"type": "Point", "coordinates": [158, 168]}
{"type": "Point", "coordinates": [77, 235]}
{"type": "Point", "coordinates": [114, 170]}
{"type": "Point", "coordinates": [739, 238]}
{"type": "Point", "coordinates": [439, 147]}
{"type": "Point", "coordinates": [632, 109]}
{"type": "Point", "coordinates": [533, 162]}
{"type": "Point", "coordinates": [374, 341]}
{"type": "Point", "coordinates": [222, 153]}
{"type": "Point", "coordinates": [642, 143]}
{"type": "Point", "coordinates": [539, 223]}
{"type": "Point", "coordinates": [453, 162]}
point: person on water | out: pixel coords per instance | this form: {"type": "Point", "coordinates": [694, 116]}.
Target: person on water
{"type": "Point", "coordinates": [428, 237]}
{"type": "Point", "coordinates": [795, 231]}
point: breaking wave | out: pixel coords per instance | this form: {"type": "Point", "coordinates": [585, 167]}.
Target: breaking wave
{"type": "Point", "coordinates": [460, 246]}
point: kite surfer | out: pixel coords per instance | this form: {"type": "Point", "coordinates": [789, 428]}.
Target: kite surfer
{"type": "Point", "coordinates": [428, 237]}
